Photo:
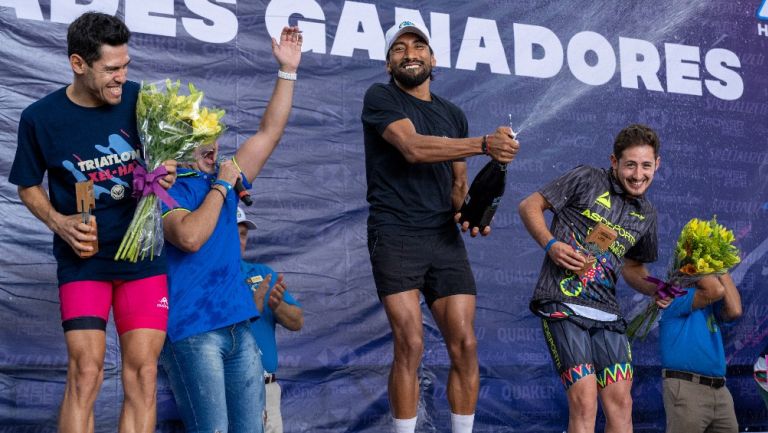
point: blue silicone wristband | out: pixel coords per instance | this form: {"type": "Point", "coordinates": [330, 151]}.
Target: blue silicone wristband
{"type": "Point", "coordinates": [223, 183]}
{"type": "Point", "coordinates": [549, 244]}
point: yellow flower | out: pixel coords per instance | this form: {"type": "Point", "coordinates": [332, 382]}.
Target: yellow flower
{"type": "Point", "coordinates": [207, 123]}
{"type": "Point", "coordinates": [190, 110]}
{"type": "Point", "coordinates": [702, 267]}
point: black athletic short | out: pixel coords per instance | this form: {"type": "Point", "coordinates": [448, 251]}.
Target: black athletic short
{"type": "Point", "coordinates": [436, 264]}
{"type": "Point", "coordinates": [580, 346]}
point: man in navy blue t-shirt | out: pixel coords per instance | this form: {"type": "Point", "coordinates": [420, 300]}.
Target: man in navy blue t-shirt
{"type": "Point", "coordinates": [86, 131]}
{"type": "Point", "coordinates": [415, 145]}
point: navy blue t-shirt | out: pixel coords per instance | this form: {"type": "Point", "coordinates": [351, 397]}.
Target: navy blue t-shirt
{"type": "Point", "coordinates": [405, 196]}
{"type": "Point", "coordinates": [73, 144]}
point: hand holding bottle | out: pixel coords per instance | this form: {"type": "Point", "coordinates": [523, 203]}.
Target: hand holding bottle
{"type": "Point", "coordinates": [502, 145]}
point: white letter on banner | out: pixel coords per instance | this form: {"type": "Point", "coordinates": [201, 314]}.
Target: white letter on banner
{"type": "Point", "coordinates": [347, 37]}
{"type": "Point", "coordinates": [141, 17]}
{"type": "Point", "coordinates": [580, 44]}
{"type": "Point", "coordinates": [639, 61]}
{"type": "Point", "coordinates": [481, 31]}
{"type": "Point", "coordinates": [762, 29]}
{"type": "Point", "coordinates": [224, 27]}
{"type": "Point", "coordinates": [278, 12]}
{"type": "Point", "coordinates": [66, 11]}
{"type": "Point", "coordinates": [728, 85]}
{"type": "Point", "coordinates": [682, 65]}
{"type": "Point", "coordinates": [25, 9]}
{"type": "Point", "coordinates": [439, 34]}
{"type": "Point", "coordinates": [526, 36]}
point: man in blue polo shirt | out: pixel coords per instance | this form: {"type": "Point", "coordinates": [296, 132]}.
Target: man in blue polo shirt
{"type": "Point", "coordinates": [280, 307]}
{"type": "Point", "coordinates": [693, 358]}
{"type": "Point", "coordinates": [210, 355]}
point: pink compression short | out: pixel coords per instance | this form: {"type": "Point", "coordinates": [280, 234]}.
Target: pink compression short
{"type": "Point", "coordinates": [137, 304]}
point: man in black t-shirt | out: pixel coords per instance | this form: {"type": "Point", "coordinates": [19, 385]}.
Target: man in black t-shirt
{"type": "Point", "coordinates": [415, 145]}
{"type": "Point", "coordinates": [603, 226]}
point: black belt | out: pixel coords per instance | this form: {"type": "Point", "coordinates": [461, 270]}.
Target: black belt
{"type": "Point", "coordinates": [714, 382]}
{"type": "Point", "coordinates": [269, 378]}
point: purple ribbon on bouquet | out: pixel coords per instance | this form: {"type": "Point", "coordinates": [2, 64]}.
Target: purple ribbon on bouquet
{"type": "Point", "coordinates": [145, 184]}
{"type": "Point", "coordinates": [665, 289]}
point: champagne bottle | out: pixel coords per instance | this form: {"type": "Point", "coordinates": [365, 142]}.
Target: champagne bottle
{"type": "Point", "coordinates": [484, 195]}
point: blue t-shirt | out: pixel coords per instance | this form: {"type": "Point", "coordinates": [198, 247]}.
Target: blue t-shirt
{"type": "Point", "coordinates": [73, 144]}
{"type": "Point", "coordinates": [264, 328]}
{"type": "Point", "coordinates": [690, 340]}
{"type": "Point", "coordinates": [206, 290]}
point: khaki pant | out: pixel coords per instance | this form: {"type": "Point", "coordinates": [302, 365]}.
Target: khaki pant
{"type": "Point", "coordinates": [695, 408]}
{"type": "Point", "coordinates": [274, 419]}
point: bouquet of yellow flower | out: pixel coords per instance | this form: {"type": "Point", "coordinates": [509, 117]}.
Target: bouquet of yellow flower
{"type": "Point", "coordinates": [703, 248]}
{"type": "Point", "coordinates": [171, 126]}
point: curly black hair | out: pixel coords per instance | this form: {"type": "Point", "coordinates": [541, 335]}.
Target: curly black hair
{"type": "Point", "coordinates": [91, 30]}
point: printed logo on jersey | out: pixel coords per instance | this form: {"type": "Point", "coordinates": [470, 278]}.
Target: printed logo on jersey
{"type": "Point", "coordinates": [118, 159]}
{"type": "Point", "coordinates": [117, 192]}
{"type": "Point", "coordinates": [641, 217]}
{"type": "Point", "coordinates": [604, 200]}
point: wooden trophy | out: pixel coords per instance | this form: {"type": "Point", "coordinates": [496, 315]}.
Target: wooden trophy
{"type": "Point", "coordinates": [86, 203]}
{"type": "Point", "coordinates": [598, 241]}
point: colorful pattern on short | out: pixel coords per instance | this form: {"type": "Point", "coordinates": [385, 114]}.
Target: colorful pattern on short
{"type": "Point", "coordinates": [573, 374]}
{"type": "Point", "coordinates": [581, 346]}
{"type": "Point", "coordinates": [614, 373]}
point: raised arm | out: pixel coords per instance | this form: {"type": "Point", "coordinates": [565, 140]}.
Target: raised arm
{"type": "Point", "coordinates": [732, 309]}
{"type": "Point", "coordinates": [254, 152]}
{"type": "Point", "coordinates": [418, 148]}
{"type": "Point", "coordinates": [189, 229]}
{"type": "Point", "coordinates": [713, 288]}
{"type": "Point", "coordinates": [531, 211]}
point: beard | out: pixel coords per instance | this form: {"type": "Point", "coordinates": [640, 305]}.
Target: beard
{"type": "Point", "coordinates": [626, 184]}
{"type": "Point", "coordinates": [409, 79]}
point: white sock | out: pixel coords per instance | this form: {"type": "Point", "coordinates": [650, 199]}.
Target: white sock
{"type": "Point", "coordinates": [462, 423]}
{"type": "Point", "coordinates": [405, 425]}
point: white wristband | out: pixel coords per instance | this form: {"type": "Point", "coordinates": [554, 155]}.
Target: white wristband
{"type": "Point", "coordinates": [290, 76]}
